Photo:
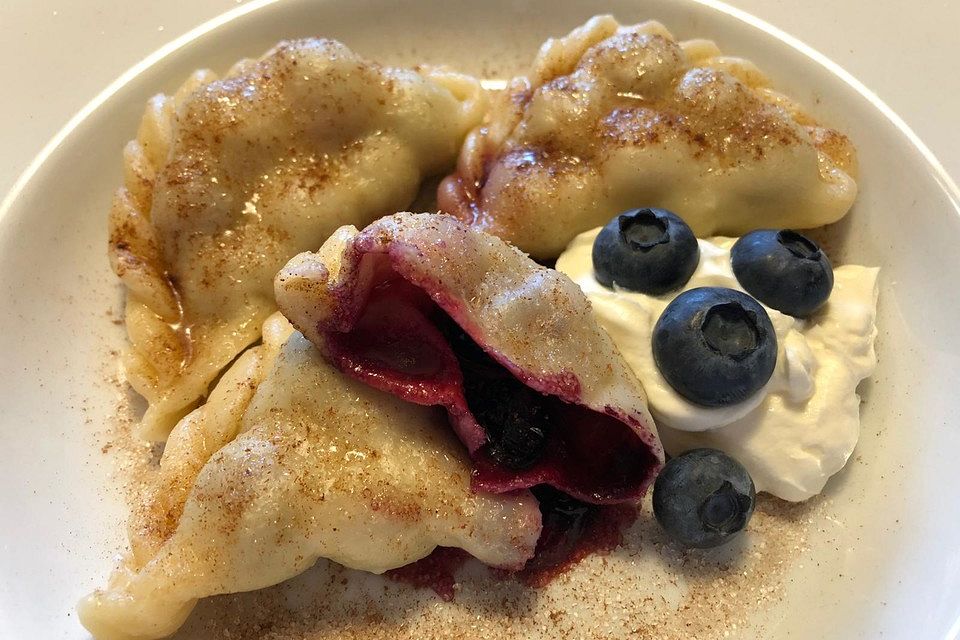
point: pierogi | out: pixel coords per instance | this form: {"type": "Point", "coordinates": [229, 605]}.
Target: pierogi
{"type": "Point", "coordinates": [438, 313]}
{"type": "Point", "coordinates": [229, 178]}
{"type": "Point", "coordinates": [290, 461]}
{"type": "Point", "coordinates": [613, 117]}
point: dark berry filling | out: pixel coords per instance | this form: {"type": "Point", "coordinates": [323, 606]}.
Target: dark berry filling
{"type": "Point", "coordinates": [405, 343]}
{"type": "Point", "coordinates": [437, 572]}
{"type": "Point", "coordinates": [573, 530]}
{"type": "Point", "coordinates": [515, 418]}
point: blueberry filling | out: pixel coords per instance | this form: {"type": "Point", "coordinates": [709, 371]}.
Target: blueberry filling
{"type": "Point", "coordinates": [573, 530]}
{"type": "Point", "coordinates": [564, 521]}
{"type": "Point", "coordinates": [516, 418]}
{"type": "Point", "coordinates": [518, 434]}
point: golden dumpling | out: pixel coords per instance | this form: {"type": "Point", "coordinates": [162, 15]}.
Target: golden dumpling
{"type": "Point", "coordinates": [611, 118]}
{"type": "Point", "coordinates": [290, 461]}
{"type": "Point", "coordinates": [229, 178]}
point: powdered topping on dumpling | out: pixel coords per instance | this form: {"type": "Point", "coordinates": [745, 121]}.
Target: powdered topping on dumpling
{"type": "Point", "coordinates": [614, 117]}
{"type": "Point", "coordinates": [290, 461]}
{"type": "Point", "coordinates": [229, 178]}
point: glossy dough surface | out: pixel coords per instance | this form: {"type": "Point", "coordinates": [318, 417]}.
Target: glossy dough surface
{"type": "Point", "coordinates": [533, 321]}
{"type": "Point", "coordinates": [290, 461]}
{"type": "Point", "coordinates": [229, 178]}
{"type": "Point", "coordinates": [616, 117]}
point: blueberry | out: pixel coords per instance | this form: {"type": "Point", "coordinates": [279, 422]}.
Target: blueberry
{"type": "Point", "coordinates": [703, 498]}
{"type": "Point", "coordinates": [651, 251]}
{"type": "Point", "coordinates": [715, 346]}
{"type": "Point", "coordinates": [784, 270]}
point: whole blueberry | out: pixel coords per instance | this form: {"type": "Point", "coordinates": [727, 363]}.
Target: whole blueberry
{"type": "Point", "coordinates": [703, 498]}
{"type": "Point", "coordinates": [651, 251]}
{"type": "Point", "coordinates": [784, 270]}
{"type": "Point", "coordinates": [715, 346]}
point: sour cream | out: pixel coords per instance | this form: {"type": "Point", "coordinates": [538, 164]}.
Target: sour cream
{"type": "Point", "coordinates": [798, 430]}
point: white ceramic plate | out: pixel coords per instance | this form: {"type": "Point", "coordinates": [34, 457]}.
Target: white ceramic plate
{"type": "Point", "coordinates": [885, 564]}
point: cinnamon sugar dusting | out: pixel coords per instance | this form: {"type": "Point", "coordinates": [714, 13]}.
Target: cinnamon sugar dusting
{"type": "Point", "coordinates": [612, 116]}
{"type": "Point", "coordinates": [645, 588]}
{"type": "Point", "coordinates": [614, 583]}
{"type": "Point", "coordinates": [648, 588]}
{"type": "Point", "coordinates": [230, 177]}
{"type": "Point", "coordinates": [134, 463]}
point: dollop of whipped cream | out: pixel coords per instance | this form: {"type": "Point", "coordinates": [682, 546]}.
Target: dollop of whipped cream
{"type": "Point", "coordinates": [799, 429]}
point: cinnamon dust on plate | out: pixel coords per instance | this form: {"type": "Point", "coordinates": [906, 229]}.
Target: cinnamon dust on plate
{"type": "Point", "coordinates": [644, 588]}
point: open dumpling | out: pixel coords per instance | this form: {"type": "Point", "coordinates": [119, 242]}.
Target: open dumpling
{"type": "Point", "coordinates": [290, 461]}
{"type": "Point", "coordinates": [611, 118]}
{"type": "Point", "coordinates": [229, 178]}
{"type": "Point", "coordinates": [437, 313]}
